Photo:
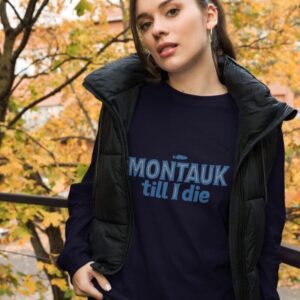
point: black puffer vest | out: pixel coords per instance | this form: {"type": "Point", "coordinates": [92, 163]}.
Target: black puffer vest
{"type": "Point", "coordinates": [260, 116]}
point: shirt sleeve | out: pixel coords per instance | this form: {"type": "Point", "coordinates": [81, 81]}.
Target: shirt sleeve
{"type": "Point", "coordinates": [76, 251]}
{"type": "Point", "coordinates": [268, 265]}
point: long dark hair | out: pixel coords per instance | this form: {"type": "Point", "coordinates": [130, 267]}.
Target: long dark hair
{"type": "Point", "coordinates": [221, 43]}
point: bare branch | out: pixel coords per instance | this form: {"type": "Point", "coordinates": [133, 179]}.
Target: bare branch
{"type": "Point", "coordinates": [51, 68]}
{"type": "Point", "coordinates": [293, 213]}
{"type": "Point", "coordinates": [22, 45]}
{"type": "Point", "coordinates": [64, 139]}
{"type": "Point", "coordinates": [111, 4]}
{"type": "Point", "coordinates": [126, 40]}
{"type": "Point", "coordinates": [86, 114]}
{"type": "Point", "coordinates": [3, 16]}
{"type": "Point", "coordinates": [52, 93]}
{"type": "Point", "coordinates": [44, 259]}
{"type": "Point", "coordinates": [113, 40]}
{"type": "Point", "coordinates": [67, 82]}
{"type": "Point", "coordinates": [15, 11]}
{"type": "Point", "coordinates": [45, 72]}
{"type": "Point", "coordinates": [36, 61]}
{"type": "Point", "coordinates": [32, 139]}
{"type": "Point", "coordinates": [43, 5]}
{"type": "Point", "coordinates": [28, 21]}
{"type": "Point", "coordinates": [36, 242]}
{"type": "Point", "coordinates": [36, 175]}
{"type": "Point", "coordinates": [65, 165]}
{"type": "Point", "coordinates": [48, 70]}
{"type": "Point", "coordinates": [27, 17]}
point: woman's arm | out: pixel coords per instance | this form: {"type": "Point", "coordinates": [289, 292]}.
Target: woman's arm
{"type": "Point", "coordinates": [268, 265]}
{"type": "Point", "coordinates": [76, 251]}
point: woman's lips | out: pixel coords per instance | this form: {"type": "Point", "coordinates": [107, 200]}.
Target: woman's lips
{"type": "Point", "coordinates": [168, 51]}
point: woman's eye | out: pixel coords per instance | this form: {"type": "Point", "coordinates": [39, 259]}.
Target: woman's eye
{"type": "Point", "coordinates": [173, 9]}
{"type": "Point", "coordinates": [142, 26]}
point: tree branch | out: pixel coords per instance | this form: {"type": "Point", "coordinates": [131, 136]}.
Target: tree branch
{"type": "Point", "coordinates": [36, 176]}
{"type": "Point", "coordinates": [65, 165]}
{"type": "Point", "coordinates": [86, 114]}
{"type": "Point", "coordinates": [15, 11]}
{"type": "Point", "coordinates": [111, 4]}
{"type": "Point", "coordinates": [113, 40]}
{"type": "Point", "coordinates": [27, 17]}
{"type": "Point", "coordinates": [36, 242]}
{"type": "Point", "coordinates": [51, 68]}
{"type": "Point", "coordinates": [64, 139]}
{"type": "Point", "coordinates": [3, 16]}
{"type": "Point", "coordinates": [63, 85]}
{"type": "Point", "coordinates": [52, 93]}
{"type": "Point", "coordinates": [27, 25]}
{"type": "Point", "coordinates": [43, 5]}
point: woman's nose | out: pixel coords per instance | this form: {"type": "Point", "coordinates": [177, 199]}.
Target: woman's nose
{"type": "Point", "coordinates": [159, 28]}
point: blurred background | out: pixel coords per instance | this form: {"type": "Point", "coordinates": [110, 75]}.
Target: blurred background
{"type": "Point", "coordinates": [48, 121]}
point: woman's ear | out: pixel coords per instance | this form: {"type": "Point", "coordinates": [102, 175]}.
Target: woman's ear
{"type": "Point", "coordinates": [211, 16]}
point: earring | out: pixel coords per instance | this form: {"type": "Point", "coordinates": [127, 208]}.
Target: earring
{"type": "Point", "coordinates": [149, 56]}
{"type": "Point", "coordinates": [150, 60]}
{"type": "Point", "coordinates": [210, 35]}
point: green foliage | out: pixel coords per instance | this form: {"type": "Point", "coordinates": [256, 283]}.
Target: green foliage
{"type": "Point", "coordinates": [81, 170]}
{"type": "Point", "coordinates": [82, 6]}
{"type": "Point", "coordinates": [13, 106]}
{"type": "Point", "coordinates": [73, 49]}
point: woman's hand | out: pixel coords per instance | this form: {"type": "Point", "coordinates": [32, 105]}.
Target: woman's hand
{"type": "Point", "coordinates": [82, 282]}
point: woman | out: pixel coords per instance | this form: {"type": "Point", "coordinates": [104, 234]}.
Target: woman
{"type": "Point", "coordinates": [184, 197]}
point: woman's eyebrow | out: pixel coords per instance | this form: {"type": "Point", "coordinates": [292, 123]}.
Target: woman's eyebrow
{"type": "Point", "coordinates": [160, 6]}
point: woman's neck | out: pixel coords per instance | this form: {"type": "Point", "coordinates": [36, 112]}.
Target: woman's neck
{"type": "Point", "coordinates": [199, 79]}
{"type": "Point", "coordinates": [217, 89]}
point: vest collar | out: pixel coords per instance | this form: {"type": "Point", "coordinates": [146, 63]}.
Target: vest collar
{"type": "Point", "coordinates": [258, 109]}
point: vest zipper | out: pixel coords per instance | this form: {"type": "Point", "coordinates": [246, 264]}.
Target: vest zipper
{"type": "Point", "coordinates": [241, 257]}
{"type": "Point", "coordinates": [125, 169]}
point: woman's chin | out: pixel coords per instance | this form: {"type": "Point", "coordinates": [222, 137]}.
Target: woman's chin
{"type": "Point", "coordinates": [172, 65]}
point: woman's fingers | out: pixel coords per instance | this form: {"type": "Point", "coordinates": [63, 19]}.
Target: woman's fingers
{"type": "Point", "coordinates": [102, 280]}
{"type": "Point", "coordinates": [82, 282]}
{"type": "Point", "coordinates": [87, 288]}
{"type": "Point", "coordinates": [83, 285]}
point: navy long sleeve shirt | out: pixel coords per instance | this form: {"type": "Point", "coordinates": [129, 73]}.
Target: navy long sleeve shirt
{"type": "Point", "coordinates": [181, 153]}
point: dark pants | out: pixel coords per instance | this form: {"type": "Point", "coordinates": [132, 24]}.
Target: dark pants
{"type": "Point", "coordinates": [106, 297]}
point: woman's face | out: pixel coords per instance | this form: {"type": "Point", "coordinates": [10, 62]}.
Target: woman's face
{"type": "Point", "coordinates": [176, 21]}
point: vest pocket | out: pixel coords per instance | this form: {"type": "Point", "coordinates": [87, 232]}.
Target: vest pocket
{"type": "Point", "coordinates": [107, 242]}
{"type": "Point", "coordinates": [254, 231]}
